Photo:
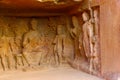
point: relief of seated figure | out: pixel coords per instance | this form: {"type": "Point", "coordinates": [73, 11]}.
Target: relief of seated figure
{"type": "Point", "coordinates": [31, 41]}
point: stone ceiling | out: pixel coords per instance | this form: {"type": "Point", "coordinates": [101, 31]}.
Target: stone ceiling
{"type": "Point", "coordinates": [37, 7]}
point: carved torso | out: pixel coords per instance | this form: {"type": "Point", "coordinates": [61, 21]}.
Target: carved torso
{"type": "Point", "coordinates": [59, 41]}
{"type": "Point", "coordinates": [31, 41]}
{"type": "Point", "coordinates": [87, 37]}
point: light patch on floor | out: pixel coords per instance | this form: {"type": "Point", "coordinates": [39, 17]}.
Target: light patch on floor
{"type": "Point", "coordinates": [118, 78]}
{"type": "Point", "coordinates": [51, 74]}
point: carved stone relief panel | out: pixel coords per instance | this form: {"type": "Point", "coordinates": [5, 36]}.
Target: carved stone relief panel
{"type": "Point", "coordinates": [91, 39]}
{"type": "Point", "coordinates": [31, 42]}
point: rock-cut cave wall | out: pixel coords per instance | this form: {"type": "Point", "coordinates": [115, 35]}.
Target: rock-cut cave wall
{"type": "Point", "coordinates": [50, 42]}
{"type": "Point", "coordinates": [34, 42]}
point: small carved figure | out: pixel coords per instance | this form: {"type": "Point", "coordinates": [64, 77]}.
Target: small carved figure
{"type": "Point", "coordinates": [96, 63]}
{"type": "Point", "coordinates": [59, 45]}
{"type": "Point", "coordinates": [5, 52]}
{"type": "Point", "coordinates": [17, 51]}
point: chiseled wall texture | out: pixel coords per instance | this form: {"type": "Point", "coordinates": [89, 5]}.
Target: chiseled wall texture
{"type": "Point", "coordinates": [110, 35]}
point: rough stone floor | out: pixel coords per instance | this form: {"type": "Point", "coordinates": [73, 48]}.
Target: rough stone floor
{"type": "Point", "coordinates": [48, 74]}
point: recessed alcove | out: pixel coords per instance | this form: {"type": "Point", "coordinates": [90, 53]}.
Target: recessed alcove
{"type": "Point", "coordinates": [46, 40]}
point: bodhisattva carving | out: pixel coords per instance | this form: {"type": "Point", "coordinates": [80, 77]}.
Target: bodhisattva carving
{"type": "Point", "coordinates": [59, 45]}
{"type": "Point", "coordinates": [91, 40]}
{"type": "Point", "coordinates": [31, 42]}
{"type": "Point", "coordinates": [88, 36]}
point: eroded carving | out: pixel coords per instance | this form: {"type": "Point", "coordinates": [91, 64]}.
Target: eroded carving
{"type": "Point", "coordinates": [74, 32]}
{"type": "Point", "coordinates": [48, 42]}
{"type": "Point", "coordinates": [88, 35]}
{"type": "Point", "coordinates": [4, 49]}
{"type": "Point", "coordinates": [91, 40]}
{"type": "Point", "coordinates": [59, 45]}
{"type": "Point", "coordinates": [96, 61]}
{"type": "Point", "coordinates": [31, 42]}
